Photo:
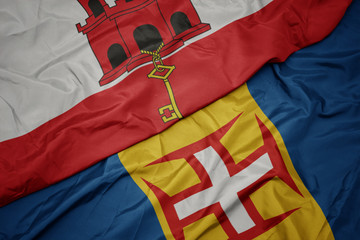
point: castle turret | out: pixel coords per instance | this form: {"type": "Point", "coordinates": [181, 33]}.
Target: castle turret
{"type": "Point", "coordinates": [118, 34]}
{"type": "Point", "coordinates": [182, 19]}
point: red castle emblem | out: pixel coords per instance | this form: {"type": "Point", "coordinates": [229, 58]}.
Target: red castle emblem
{"type": "Point", "coordinates": [118, 34]}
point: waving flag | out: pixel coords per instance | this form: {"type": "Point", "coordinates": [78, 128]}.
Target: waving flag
{"type": "Point", "coordinates": [81, 80]}
{"type": "Point", "coordinates": [280, 153]}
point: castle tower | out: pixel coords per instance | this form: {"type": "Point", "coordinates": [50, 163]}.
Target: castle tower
{"type": "Point", "coordinates": [141, 24]}
{"type": "Point", "coordinates": [118, 34]}
{"type": "Point", "coordinates": [105, 40]}
{"type": "Point", "coordinates": [182, 19]}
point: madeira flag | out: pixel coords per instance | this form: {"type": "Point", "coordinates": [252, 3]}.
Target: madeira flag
{"type": "Point", "coordinates": [277, 158]}
{"type": "Point", "coordinates": [84, 79]}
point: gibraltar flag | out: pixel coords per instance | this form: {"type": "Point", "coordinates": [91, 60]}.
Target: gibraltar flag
{"type": "Point", "coordinates": [81, 80]}
{"type": "Point", "coordinates": [277, 158]}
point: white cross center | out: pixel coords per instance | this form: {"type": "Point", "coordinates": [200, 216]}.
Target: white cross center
{"type": "Point", "coordinates": [224, 188]}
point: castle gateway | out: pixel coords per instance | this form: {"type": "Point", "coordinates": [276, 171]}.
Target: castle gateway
{"type": "Point", "coordinates": [118, 34]}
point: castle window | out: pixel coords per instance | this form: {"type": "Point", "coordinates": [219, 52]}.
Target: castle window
{"type": "Point", "coordinates": [96, 7]}
{"type": "Point", "coordinates": [147, 37]}
{"type": "Point", "coordinates": [180, 22]}
{"type": "Point", "coordinates": [116, 55]}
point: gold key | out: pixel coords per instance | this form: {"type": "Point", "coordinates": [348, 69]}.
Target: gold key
{"type": "Point", "coordinates": [159, 67]}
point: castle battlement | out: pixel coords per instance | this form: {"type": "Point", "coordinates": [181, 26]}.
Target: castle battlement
{"type": "Point", "coordinates": [117, 34]}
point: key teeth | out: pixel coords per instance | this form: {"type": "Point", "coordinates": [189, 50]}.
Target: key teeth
{"type": "Point", "coordinates": [169, 107]}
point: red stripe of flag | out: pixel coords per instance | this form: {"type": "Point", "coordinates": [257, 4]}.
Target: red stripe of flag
{"type": "Point", "coordinates": [114, 119]}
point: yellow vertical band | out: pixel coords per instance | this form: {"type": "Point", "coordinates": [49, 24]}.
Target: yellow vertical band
{"type": "Point", "coordinates": [176, 175]}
